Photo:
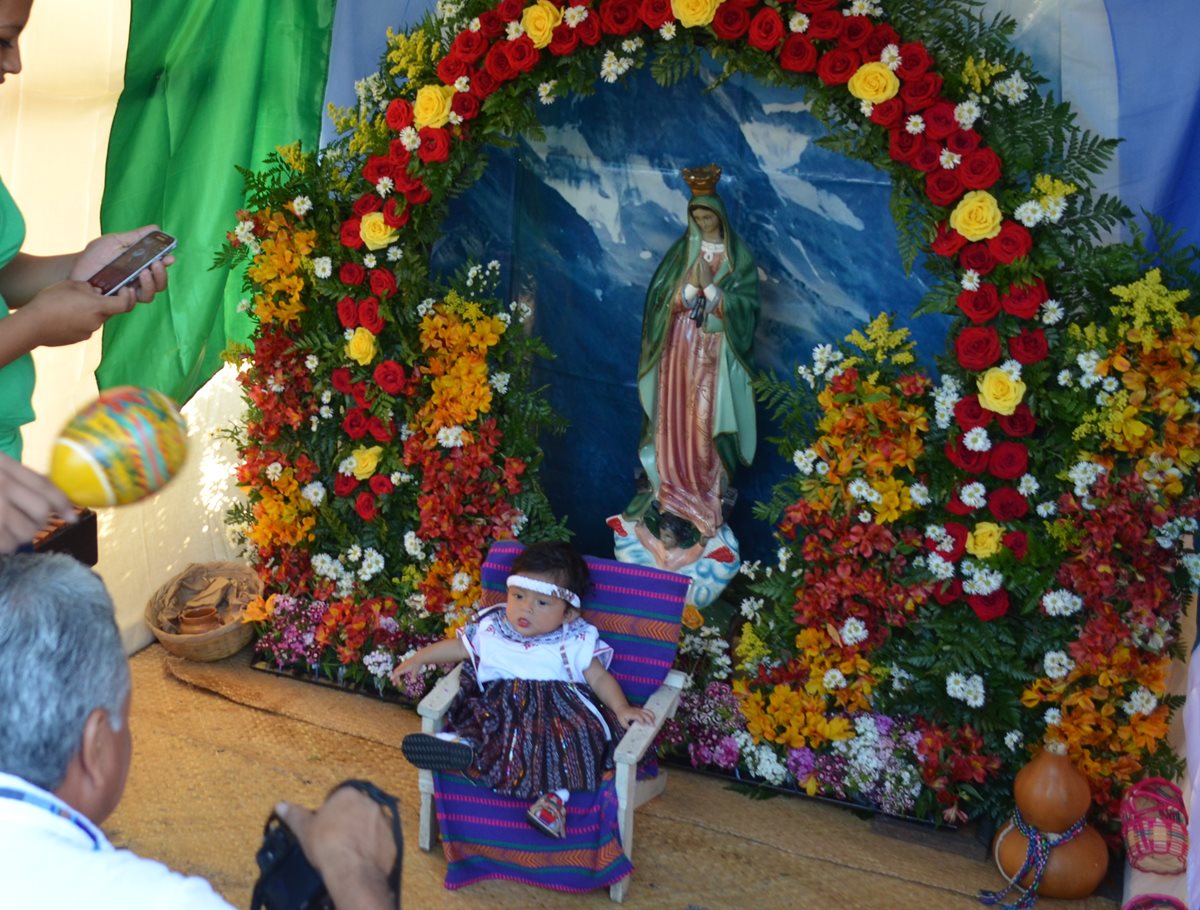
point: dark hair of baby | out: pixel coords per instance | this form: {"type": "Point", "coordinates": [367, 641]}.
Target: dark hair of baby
{"type": "Point", "coordinates": [558, 560]}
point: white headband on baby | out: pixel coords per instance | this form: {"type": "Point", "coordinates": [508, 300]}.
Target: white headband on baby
{"type": "Point", "coordinates": [543, 587]}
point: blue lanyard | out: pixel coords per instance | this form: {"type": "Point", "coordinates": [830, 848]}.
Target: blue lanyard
{"type": "Point", "coordinates": [54, 808]}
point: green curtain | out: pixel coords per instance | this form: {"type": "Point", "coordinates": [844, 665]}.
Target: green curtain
{"type": "Point", "coordinates": [209, 84]}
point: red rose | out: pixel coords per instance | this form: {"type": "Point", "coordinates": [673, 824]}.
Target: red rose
{"type": "Point", "coordinates": [982, 305]}
{"type": "Point", "coordinates": [470, 45]}
{"type": "Point", "coordinates": [620, 17]}
{"type": "Point", "coordinates": [452, 66]}
{"type": "Point", "coordinates": [435, 144]}
{"type": "Point", "coordinates": [955, 505]}
{"type": "Point", "coordinates": [1006, 504]}
{"type": "Point", "coordinates": [347, 312]}
{"type": "Point", "coordinates": [564, 39]}
{"type": "Point", "coordinates": [797, 55]}
{"type": "Point", "coordinates": [655, 13]}
{"type": "Point", "coordinates": [510, 10]}
{"type": "Point", "coordinates": [1023, 300]}
{"type": "Point", "coordinates": [928, 158]}
{"type": "Point", "coordinates": [381, 485]}
{"type": "Point", "coordinates": [589, 30]}
{"type": "Point", "coordinates": [399, 114]}
{"type": "Point", "coordinates": [730, 22]}
{"type": "Point", "coordinates": [378, 167]}
{"type": "Point", "coordinates": [418, 195]}
{"type": "Point", "coordinates": [903, 145]}
{"type": "Point", "coordinates": [1017, 543]}
{"type": "Point", "coordinates": [977, 256]}
{"type": "Point", "coordinates": [914, 61]}
{"type": "Point", "coordinates": [1019, 423]}
{"type": "Point", "coordinates": [917, 94]}
{"type": "Point", "coordinates": [1008, 460]}
{"type": "Point", "coordinates": [523, 55]}
{"type": "Point", "coordinates": [815, 6]}
{"type": "Point", "coordinates": [980, 169]}
{"type": "Point", "coordinates": [958, 538]}
{"type": "Point", "coordinates": [948, 241]}
{"type": "Point", "coordinates": [383, 282]}
{"type": "Point", "coordinates": [483, 83]}
{"type": "Point", "coordinates": [962, 141]}
{"type": "Point", "coordinates": [969, 413]}
{"type": "Point", "coordinates": [1028, 347]}
{"type": "Point", "coordinates": [966, 459]}
{"type": "Point", "coordinates": [355, 423]}
{"type": "Point", "coordinates": [400, 157]}
{"type": "Point", "coordinates": [340, 379]}
{"type": "Point", "coordinates": [365, 506]}
{"type": "Point", "coordinates": [351, 273]}
{"type": "Point", "coordinates": [836, 66]}
{"type": "Point", "coordinates": [948, 592]}
{"type": "Point", "coordinates": [939, 120]}
{"type": "Point", "coordinates": [497, 64]}
{"type": "Point", "coordinates": [1012, 243]}
{"type": "Point", "coordinates": [888, 114]}
{"type": "Point", "coordinates": [380, 430]}
{"type": "Point", "coordinates": [977, 347]}
{"type": "Point", "coordinates": [855, 31]}
{"type": "Point", "coordinates": [344, 484]}
{"type": "Point", "coordinates": [989, 606]}
{"type": "Point", "coordinates": [944, 188]}
{"type": "Point", "coordinates": [394, 215]}
{"type": "Point", "coordinates": [825, 25]}
{"type": "Point", "coordinates": [490, 24]}
{"type": "Point", "coordinates": [466, 105]}
{"type": "Point", "coordinates": [881, 36]}
{"type": "Point", "coordinates": [366, 204]}
{"type": "Point", "coordinates": [390, 377]}
{"type": "Point", "coordinates": [368, 315]}
{"type": "Point", "coordinates": [766, 30]}
{"type": "Point", "coordinates": [359, 391]}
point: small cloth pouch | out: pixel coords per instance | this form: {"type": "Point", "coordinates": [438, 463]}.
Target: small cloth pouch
{"type": "Point", "coordinates": [1154, 824]}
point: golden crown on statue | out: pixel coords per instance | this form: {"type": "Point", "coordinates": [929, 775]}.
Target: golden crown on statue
{"type": "Point", "coordinates": [703, 179]}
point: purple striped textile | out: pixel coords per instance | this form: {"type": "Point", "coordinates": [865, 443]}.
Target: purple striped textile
{"type": "Point", "coordinates": [486, 835]}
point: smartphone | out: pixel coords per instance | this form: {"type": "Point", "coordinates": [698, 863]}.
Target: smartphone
{"type": "Point", "coordinates": [131, 263]}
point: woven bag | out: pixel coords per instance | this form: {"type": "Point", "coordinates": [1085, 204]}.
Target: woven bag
{"type": "Point", "coordinates": [1154, 824]}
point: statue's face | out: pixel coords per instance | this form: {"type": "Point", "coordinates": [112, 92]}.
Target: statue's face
{"type": "Point", "coordinates": [708, 221]}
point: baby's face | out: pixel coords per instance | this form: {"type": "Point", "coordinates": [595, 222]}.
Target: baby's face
{"type": "Point", "coordinates": [532, 612]}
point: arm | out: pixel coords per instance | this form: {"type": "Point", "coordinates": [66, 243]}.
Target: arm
{"type": "Point", "coordinates": [608, 690]}
{"type": "Point", "coordinates": [443, 652]}
{"type": "Point", "coordinates": [348, 841]}
{"type": "Point", "coordinates": [27, 500]}
{"type": "Point", "coordinates": [63, 313]}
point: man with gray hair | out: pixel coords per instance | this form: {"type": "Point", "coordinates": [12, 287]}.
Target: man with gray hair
{"type": "Point", "coordinates": [65, 751]}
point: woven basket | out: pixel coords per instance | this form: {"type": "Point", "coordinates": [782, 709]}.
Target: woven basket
{"type": "Point", "coordinates": [1154, 824]}
{"type": "Point", "coordinates": [163, 609]}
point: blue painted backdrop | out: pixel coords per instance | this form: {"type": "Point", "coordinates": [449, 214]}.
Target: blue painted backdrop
{"type": "Point", "coordinates": [582, 218]}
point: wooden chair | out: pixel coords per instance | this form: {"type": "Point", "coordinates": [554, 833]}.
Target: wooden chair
{"type": "Point", "coordinates": [484, 834]}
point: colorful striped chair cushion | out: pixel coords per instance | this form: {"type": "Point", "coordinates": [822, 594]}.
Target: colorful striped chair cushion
{"type": "Point", "coordinates": [486, 835]}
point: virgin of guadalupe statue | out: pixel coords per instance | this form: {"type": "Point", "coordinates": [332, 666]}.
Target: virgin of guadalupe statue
{"type": "Point", "coordinates": [694, 367]}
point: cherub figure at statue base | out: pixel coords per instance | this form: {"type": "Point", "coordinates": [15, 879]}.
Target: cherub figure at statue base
{"type": "Point", "coordinates": [710, 563]}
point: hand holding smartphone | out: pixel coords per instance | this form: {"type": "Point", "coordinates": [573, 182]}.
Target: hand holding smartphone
{"type": "Point", "coordinates": [132, 262]}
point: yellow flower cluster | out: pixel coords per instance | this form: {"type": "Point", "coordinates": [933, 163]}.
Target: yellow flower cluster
{"type": "Point", "coordinates": [282, 517]}
{"type": "Point", "coordinates": [411, 55]}
{"type": "Point", "coordinates": [792, 718]}
{"type": "Point", "coordinates": [277, 268]}
{"type": "Point", "coordinates": [883, 343]}
{"type": "Point", "coordinates": [457, 336]}
{"type": "Point", "coordinates": [750, 650]}
{"type": "Point", "coordinates": [978, 75]}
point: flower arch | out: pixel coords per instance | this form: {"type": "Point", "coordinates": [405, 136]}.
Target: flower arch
{"type": "Point", "coordinates": [391, 432]}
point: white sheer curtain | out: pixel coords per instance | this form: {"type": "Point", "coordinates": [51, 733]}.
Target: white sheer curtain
{"type": "Point", "coordinates": [55, 119]}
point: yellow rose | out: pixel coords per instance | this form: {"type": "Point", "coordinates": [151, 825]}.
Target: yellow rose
{"type": "Point", "coordinates": [375, 232]}
{"type": "Point", "coordinates": [977, 216]}
{"type": "Point", "coordinates": [874, 82]}
{"type": "Point", "coordinates": [366, 460]}
{"type": "Point", "coordinates": [999, 392]}
{"type": "Point", "coordinates": [693, 13]}
{"type": "Point", "coordinates": [984, 541]}
{"type": "Point", "coordinates": [692, 618]}
{"type": "Point", "coordinates": [361, 346]}
{"type": "Point", "coordinates": [539, 21]}
{"type": "Point", "coordinates": [432, 105]}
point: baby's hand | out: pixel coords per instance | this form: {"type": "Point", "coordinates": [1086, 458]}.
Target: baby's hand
{"type": "Point", "coordinates": [631, 714]}
{"type": "Point", "coordinates": [404, 668]}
